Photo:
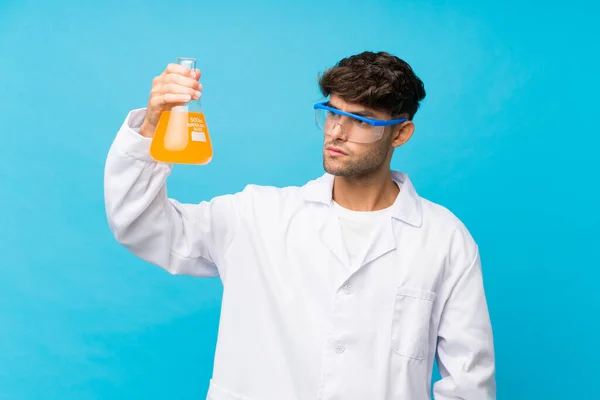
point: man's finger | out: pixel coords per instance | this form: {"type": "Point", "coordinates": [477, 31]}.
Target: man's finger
{"type": "Point", "coordinates": [175, 98]}
{"type": "Point", "coordinates": [177, 69]}
{"type": "Point", "coordinates": [182, 80]}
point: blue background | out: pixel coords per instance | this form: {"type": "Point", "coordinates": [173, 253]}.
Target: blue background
{"type": "Point", "coordinates": [506, 139]}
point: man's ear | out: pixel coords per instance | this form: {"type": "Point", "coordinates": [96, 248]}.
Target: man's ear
{"type": "Point", "coordinates": [402, 133]}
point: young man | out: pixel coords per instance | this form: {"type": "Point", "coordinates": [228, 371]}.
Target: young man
{"type": "Point", "coordinates": [348, 287]}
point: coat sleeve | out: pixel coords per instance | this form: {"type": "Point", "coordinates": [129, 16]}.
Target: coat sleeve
{"type": "Point", "coordinates": [188, 239]}
{"type": "Point", "coordinates": [465, 344]}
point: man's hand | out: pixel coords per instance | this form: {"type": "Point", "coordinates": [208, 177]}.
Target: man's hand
{"type": "Point", "coordinates": [177, 85]}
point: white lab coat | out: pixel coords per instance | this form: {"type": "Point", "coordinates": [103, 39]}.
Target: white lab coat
{"type": "Point", "coordinates": [297, 321]}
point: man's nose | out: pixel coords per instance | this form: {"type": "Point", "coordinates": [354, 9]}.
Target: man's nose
{"type": "Point", "coordinates": [338, 133]}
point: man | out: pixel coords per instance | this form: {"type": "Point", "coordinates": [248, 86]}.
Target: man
{"type": "Point", "coordinates": [348, 287]}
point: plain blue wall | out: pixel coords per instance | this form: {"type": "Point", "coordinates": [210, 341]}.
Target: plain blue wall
{"type": "Point", "coordinates": [506, 139]}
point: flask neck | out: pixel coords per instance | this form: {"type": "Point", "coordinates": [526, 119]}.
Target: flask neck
{"type": "Point", "coordinates": [187, 62]}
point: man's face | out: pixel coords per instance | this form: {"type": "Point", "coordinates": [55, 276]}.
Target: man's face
{"type": "Point", "coordinates": [348, 159]}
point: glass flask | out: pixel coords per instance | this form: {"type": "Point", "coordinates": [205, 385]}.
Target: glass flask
{"type": "Point", "coordinates": [181, 135]}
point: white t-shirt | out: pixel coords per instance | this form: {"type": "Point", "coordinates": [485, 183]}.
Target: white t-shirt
{"type": "Point", "coordinates": [358, 229]}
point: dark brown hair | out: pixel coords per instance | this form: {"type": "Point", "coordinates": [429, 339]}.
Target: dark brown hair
{"type": "Point", "coordinates": [380, 81]}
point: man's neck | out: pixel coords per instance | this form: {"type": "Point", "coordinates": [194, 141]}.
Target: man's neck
{"type": "Point", "coordinates": [366, 193]}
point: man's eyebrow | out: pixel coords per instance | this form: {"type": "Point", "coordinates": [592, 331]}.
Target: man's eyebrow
{"type": "Point", "coordinates": [361, 113]}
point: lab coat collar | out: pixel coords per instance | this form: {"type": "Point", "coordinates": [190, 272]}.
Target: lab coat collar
{"type": "Point", "coordinates": [406, 208]}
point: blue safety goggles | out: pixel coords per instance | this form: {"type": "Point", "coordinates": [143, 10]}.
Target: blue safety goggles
{"type": "Point", "coordinates": [356, 129]}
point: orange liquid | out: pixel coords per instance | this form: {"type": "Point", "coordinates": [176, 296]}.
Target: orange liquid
{"type": "Point", "coordinates": [182, 137]}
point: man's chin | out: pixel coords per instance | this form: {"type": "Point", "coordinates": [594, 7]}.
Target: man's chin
{"type": "Point", "coordinates": [335, 170]}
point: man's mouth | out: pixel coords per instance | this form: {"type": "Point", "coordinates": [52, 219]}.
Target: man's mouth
{"type": "Point", "coordinates": [334, 151]}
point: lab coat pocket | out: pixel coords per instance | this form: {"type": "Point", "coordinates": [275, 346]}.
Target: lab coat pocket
{"type": "Point", "coordinates": [411, 321]}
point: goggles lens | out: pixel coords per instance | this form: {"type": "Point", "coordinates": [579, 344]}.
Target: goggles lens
{"type": "Point", "coordinates": [353, 129]}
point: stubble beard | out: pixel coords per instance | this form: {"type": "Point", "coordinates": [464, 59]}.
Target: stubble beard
{"type": "Point", "coordinates": [367, 165]}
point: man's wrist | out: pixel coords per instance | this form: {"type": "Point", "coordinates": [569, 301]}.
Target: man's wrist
{"type": "Point", "coordinates": [147, 130]}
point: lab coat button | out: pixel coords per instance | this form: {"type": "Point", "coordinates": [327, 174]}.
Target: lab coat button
{"type": "Point", "coordinates": [348, 289]}
{"type": "Point", "coordinates": [339, 347]}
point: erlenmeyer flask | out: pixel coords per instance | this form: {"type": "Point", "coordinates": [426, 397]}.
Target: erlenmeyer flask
{"type": "Point", "coordinates": [181, 135]}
